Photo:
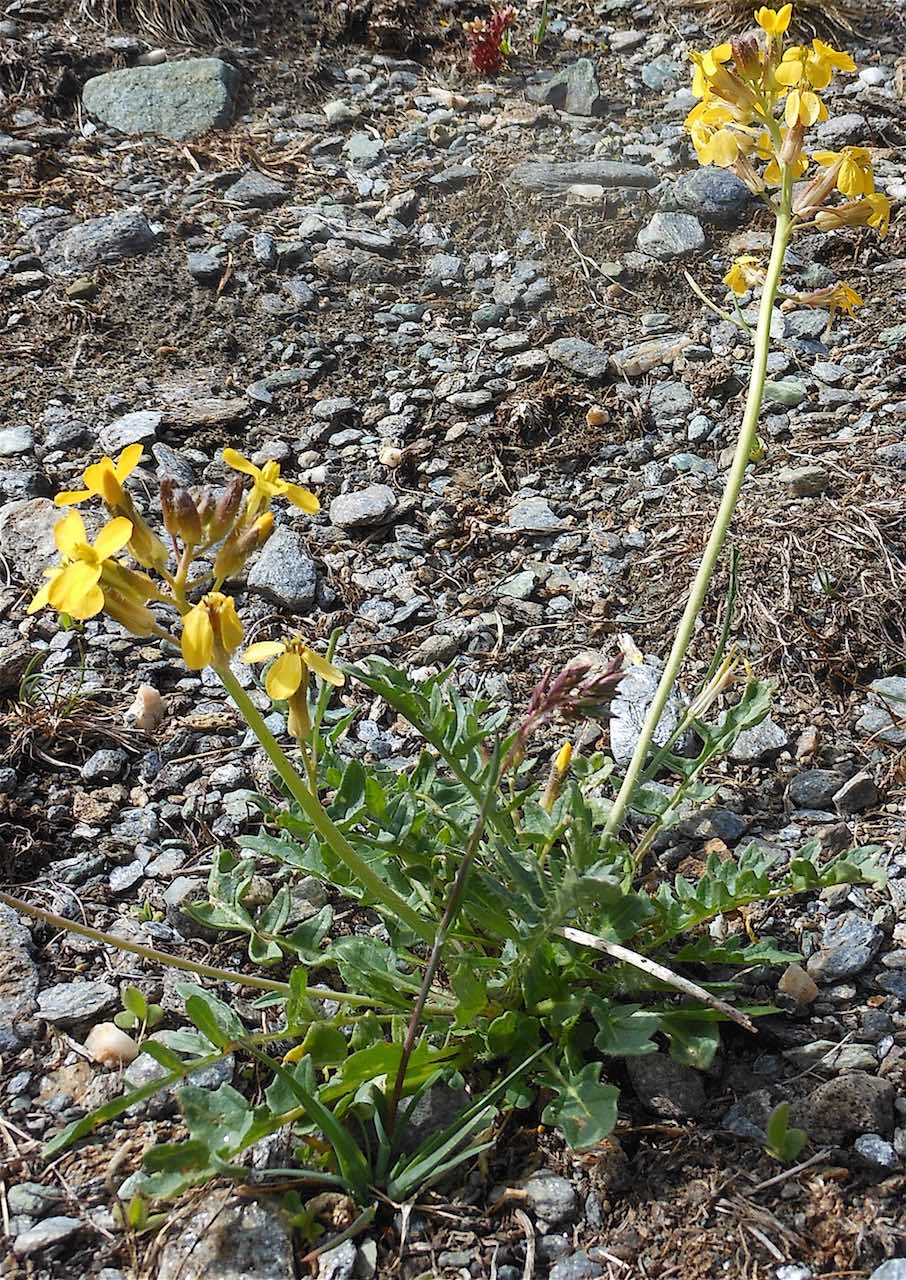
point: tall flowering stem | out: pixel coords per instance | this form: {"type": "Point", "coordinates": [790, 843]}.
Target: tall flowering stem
{"type": "Point", "coordinates": [756, 102]}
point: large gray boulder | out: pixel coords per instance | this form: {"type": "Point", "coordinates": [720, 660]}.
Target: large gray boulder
{"type": "Point", "coordinates": [175, 99]}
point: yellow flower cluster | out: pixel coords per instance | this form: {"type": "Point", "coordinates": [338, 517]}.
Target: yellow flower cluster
{"type": "Point", "coordinates": [227, 529]}
{"type": "Point", "coordinates": [757, 98]}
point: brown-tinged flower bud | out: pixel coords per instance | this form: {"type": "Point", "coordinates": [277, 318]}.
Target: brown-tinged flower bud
{"type": "Point", "coordinates": [204, 504]}
{"type": "Point", "coordinates": [240, 544]}
{"type": "Point", "coordinates": [181, 518]}
{"type": "Point", "coordinates": [226, 509]}
{"type": "Point", "coordinates": [792, 144]}
{"type": "Point", "coordinates": [747, 57]}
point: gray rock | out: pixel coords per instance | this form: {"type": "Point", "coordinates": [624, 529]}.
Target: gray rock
{"type": "Point", "coordinates": [144, 1070]}
{"type": "Point", "coordinates": [574, 89]}
{"type": "Point", "coordinates": [671, 235]}
{"type": "Point", "coordinates": [828, 1058]}
{"type": "Point", "coordinates": [804, 482]}
{"type": "Point", "coordinates": [662, 73]}
{"type": "Point", "coordinates": [552, 177]}
{"type": "Point", "coordinates": [176, 99]}
{"type": "Point", "coordinates": [131, 428]}
{"type": "Point", "coordinates": [284, 573]}
{"type": "Point", "coordinates": [443, 266]}
{"type": "Point", "coordinates": [231, 1239]}
{"type": "Point", "coordinates": [109, 762]}
{"type": "Point", "coordinates": [32, 1199]}
{"type": "Point", "coordinates": [893, 455]}
{"type": "Point", "coordinates": [814, 788]}
{"type": "Point", "coordinates": [48, 1232]}
{"type": "Point", "coordinates": [338, 1263]}
{"type": "Point", "coordinates": [363, 508]}
{"type": "Point", "coordinates": [20, 483]}
{"type": "Point", "coordinates": [26, 536]}
{"type": "Point", "coordinates": [713, 195]}
{"type": "Point", "coordinates": [893, 1269]}
{"type": "Point", "coordinates": [69, 1003]}
{"type": "Point", "coordinates": [630, 706]}
{"type": "Point", "coordinates": [553, 1199]}
{"type": "Point", "coordinates": [666, 1087]}
{"type": "Point", "coordinates": [534, 515]}
{"type": "Point", "coordinates": [578, 1267]}
{"type": "Point", "coordinates": [206, 268]}
{"type": "Point", "coordinates": [849, 1105]}
{"type": "Point", "coordinates": [848, 129]}
{"type": "Point", "coordinates": [876, 1152]}
{"type": "Point", "coordinates": [580, 357]}
{"type": "Point", "coordinates": [748, 1117]}
{"type": "Point", "coordinates": [18, 978]}
{"type": "Point", "coordinates": [672, 400]}
{"type": "Point", "coordinates": [334, 409]}
{"type": "Point", "coordinates": [436, 1109]}
{"type": "Point", "coordinates": [641, 357]}
{"type": "Point", "coordinates": [490, 315]}
{"type": "Point", "coordinates": [15, 441]}
{"type": "Point", "coordinates": [759, 743]}
{"type": "Point", "coordinates": [857, 793]}
{"type": "Point", "coordinates": [256, 191]}
{"type": "Point", "coordinates": [99, 242]}
{"type": "Point", "coordinates": [848, 945]}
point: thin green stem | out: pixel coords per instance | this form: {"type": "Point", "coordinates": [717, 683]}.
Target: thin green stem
{"type": "Point", "coordinates": [318, 817]}
{"type": "Point", "coordinates": [717, 537]}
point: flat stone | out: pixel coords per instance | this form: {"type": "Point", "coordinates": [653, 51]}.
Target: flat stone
{"type": "Point", "coordinates": [629, 707]}
{"type": "Point", "coordinates": [99, 242]}
{"type": "Point", "coordinates": [893, 1269]}
{"type": "Point", "coordinates": [69, 1003]}
{"type": "Point", "coordinates": [15, 441]}
{"type": "Point", "coordinates": [363, 508]}
{"type": "Point", "coordinates": [176, 100]}
{"type": "Point", "coordinates": [848, 129]}
{"type": "Point", "coordinates": [534, 515]}
{"type": "Point", "coordinates": [105, 764]}
{"type": "Point", "coordinates": [338, 1263]}
{"type": "Point", "coordinates": [580, 357]}
{"type": "Point", "coordinates": [256, 191]}
{"type": "Point", "coordinates": [892, 455]}
{"type": "Point", "coordinates": [641, 357]}
{"type": "Point", "coordinates": [876, 1152]}
{"type": "Point", "coordinates": [804, 482]}
{"type": "Point", "coordinates": [437, 1108]}
{"type": "Point", "coordinates": [714, 195]}
{"type": "Point", "coordinates": [574, 89]}
{"type": "Point", "coordinates": [552, 177]}
{"type": "Point", "coordinates": [798, 985]}
{"type": "Point", "coordinates": [18, 978]}
{"type": "Point", "coordinates": [42, 1235]}
{"type": "Point", "coordinates": [857, 793]}
{"type": "Point", "coordinates": [848, 945]}
{"type": "Point", "coordinates": [230, 1239]}
{"type": "Point", "coordinates": [671, 235]}
{"type": "Point", "coordinates": [26, 536]}
{"type": "Point", "coordinates": [814, 788]}
{"type": "Point", "coordinates": [578, 1266]}
{"type": "Point", "coordinates": [665, 1087]}
{"type": "Point", "coordinates": [284, 572]}
{"type": "Point", "coordinates": [132, 428]}
{"type": "Point", "coordinates": [831, 1059]}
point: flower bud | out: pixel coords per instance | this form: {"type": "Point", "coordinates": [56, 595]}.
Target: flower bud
{"type": "Point", "coordinates": [240, 544]}
{"type": "Point", "coordinates": [130, 613]}
{"type": "Point", "coordinates": [747, 57]}
{"type": "Point", "coordinates": [181, 517]}
{"type": "Point", "coordinates": [226, 509]}
{"type": "Point", "coordinates": [792, 144]}
{"type": "Point", "coordinates": [144, 544]}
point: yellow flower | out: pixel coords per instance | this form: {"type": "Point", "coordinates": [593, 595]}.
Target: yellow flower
{"type": "Point", "coordinates": [211, 632]}
{"type": "Point", "coordinates": [707, 65]}
{"type": "Point", "coordinates": [73, 587]}
{"type": "Point", "coordinates": [267, 484]}
{"type": "Point", "coordinates": [826, 55]}
{"type": "Point", "coordinates": [290, 672]}
{"type": "Point", "coordinates": [744, 274]}
{"type": "Point", "coordinates": [802, 107]}
{"type": "Point", "coordinates": [854, 173]}
{"type": "Point", "coordinates": [104, 479]}
{"type": "Point", "coordinates": [774, 21]}
{"type": "Point", "coordinates": [843, 298]}
{"type": "Point", "coordinates": [880, 212]}
{"type": "Point", "coordinates": [816, 65]}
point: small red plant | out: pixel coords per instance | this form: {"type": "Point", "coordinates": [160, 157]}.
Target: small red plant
{"type": "Point", "coordinates": [487, 40]}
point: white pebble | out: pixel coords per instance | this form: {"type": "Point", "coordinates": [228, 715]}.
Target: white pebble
{"type": "Point", "coordinates": [148, 709]}
{"type": "Point", "coordinates": [109, 1046]}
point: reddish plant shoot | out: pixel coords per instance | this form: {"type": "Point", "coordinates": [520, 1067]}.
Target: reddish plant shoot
{"type": "Point", "coordinates": [487, 48]}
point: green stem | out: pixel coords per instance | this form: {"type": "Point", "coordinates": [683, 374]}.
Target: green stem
{"type": "Point", "coordinates": [318, 817]}
{"type": "Point", "coordinates": [717, 537]}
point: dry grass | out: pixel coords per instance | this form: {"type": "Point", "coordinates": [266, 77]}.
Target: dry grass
{"type": "Point", "coordinates": [187, 21]}
{"type": "Point", "coordinates": [812, 17]}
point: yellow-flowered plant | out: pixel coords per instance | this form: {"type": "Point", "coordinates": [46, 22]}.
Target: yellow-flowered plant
{"type": "Point", "coordinates": [757, 99]}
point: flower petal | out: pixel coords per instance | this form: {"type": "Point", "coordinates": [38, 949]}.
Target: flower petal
{"type": "Point", "coordinates": [71, 496]}
{"type": "Point", "coordinates": [284, 677]}
{"type": "Point", "coordinates": [113, 537]}
{"type": "Point", "coordinates": [232, 632]}
{"type": "Point", "coordinates": [235, 460]}
{"type": "Point", "coordinates": [263, 650]}
{"type": "Point", "coordinates": [68, 533]}
{"type": "Point", "coordinates": [197, 641]}
{"type": "Point", "coordinates": [128, 460]}
{"type": "Point", "coordinates": [91, 603]}
{"type": "Point", "coordinates": [324, 669]}
{"type": "Point", "coordinates": [70, 587]}
{"type": "Point", "coordinates": [300, 497]}
{"type": "Point", "coordinates": [40, 599]}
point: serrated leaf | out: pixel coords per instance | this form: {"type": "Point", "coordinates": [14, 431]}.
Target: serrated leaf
{"type": "Point", "coordinates": [624, 1030]}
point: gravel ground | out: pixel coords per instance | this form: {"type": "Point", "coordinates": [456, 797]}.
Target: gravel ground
{"type": "Point", "coordinates": [456, 310]}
